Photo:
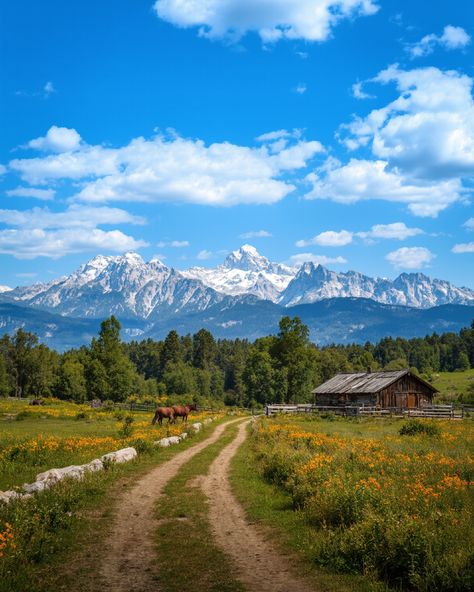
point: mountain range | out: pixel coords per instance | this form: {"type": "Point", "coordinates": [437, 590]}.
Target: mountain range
{"type": "Point", "coordinates": [243, 297]}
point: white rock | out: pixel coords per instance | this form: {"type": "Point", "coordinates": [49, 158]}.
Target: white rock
{"type": "Point", "coordinates": [183, 436]}
{"type": "Point", "coordinates": [94, 465]}
{"type": "Point", "coordinates": [163, 442]}
{"type": "Point", "coordinates": [120, 456]}
{"type": "Point", "coordinates": [174, 440]}
{"type": "Point", "coordinates": [51, 476]}
{"type": "Point", "coordinates": [35, 487]}
{"type": "Point", "coordinates": [7, 496]}
{"type": "Point", "coordinates": [55, 475]}
{"type": "Point", "coordinates": [197, 427]}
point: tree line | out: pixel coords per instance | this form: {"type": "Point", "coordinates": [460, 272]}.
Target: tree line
{"type": "Point", "coordinates": [279, 368]}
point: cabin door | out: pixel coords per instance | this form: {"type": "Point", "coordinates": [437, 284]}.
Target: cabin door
{"type": "Point", "coordinates": [411, 400]}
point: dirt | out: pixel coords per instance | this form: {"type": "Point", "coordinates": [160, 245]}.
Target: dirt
{"type": "Point", "coordinates": [260, 567]}
{"type": "Point", "coordinates": [128, 562]}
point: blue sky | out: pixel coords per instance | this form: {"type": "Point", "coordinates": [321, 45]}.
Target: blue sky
{"type": "Point", "coordinates": [340, 131]}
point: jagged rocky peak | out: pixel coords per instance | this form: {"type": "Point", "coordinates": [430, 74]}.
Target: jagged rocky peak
{"type": "Point", "coordinates": [5, 289]}
{"type": "Point", "coordinates": [247, 258]}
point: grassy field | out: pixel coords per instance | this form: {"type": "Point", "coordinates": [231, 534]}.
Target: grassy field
{"type": "Point", "coordinates": [36, 438]}
{"type": "Point", "coordinates": [453, 386]}
{"type": "Point", "coordinates": [358, 498]}
{"type": "Point", "coordinates": [48, 542]}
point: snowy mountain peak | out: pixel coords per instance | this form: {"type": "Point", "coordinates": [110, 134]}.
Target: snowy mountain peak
{"type": "Point", "coordinates": [247, 258]}
{"type": "Point", "coordinates": [5, 289]}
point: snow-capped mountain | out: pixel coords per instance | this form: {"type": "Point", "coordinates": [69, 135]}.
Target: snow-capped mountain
{"type": "Point", "coordinates": [131, 288]}
{"type": "Point", "coordinates": [314, 282]}
{"type": "Point", "coordinates": [4, 289]}
{"type": "Point", "coordinates": [245, 271]}
{"type": "Point", "coordinates": [124, 285]}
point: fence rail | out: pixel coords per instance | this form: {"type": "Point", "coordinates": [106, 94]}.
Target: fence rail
{"type": "Point", "coordinates": [430, 412]}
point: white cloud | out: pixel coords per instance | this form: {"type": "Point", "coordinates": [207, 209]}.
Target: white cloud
{"type": "Point", "coordinates": [39, 232]}
{"type": "Point", "coordinates": [428, 131]}
{"type": "Point", "coordinates": [37, 242]}
{"type": "Point", "coordinates": [256, 234]}
{"type": "Point", "coordinates": [451, 38]}
{"type": "Point", "coordinates": [410, 257]}
{"type": "Point", "coordinates": [273, 20]}
{"type": "Point", "coordinates": [85, 217]}
{"type": "Point", "coordinates": [469, 224]}
{"type": "Point", "coordinates": [57, 139]}
{"type": "Point", "coordinates": [358, 93]}
{"type": "Point", "coordinates": [3, 169]}
{"type": "Point", "coordinates": [48, 89]}
{"type": "Point", "coordinates": [174, 169]}
{"type": "Point", "coordinates": [203, 255]}
{"type": "Point", "coordinates": [365, 180]}
{"type": "Point", "coordinates": [396, 230]}
{"type": "Point", "coordinates": [42, 194]}
{"type": "Point", "coordinates": [176, 244]}
{"type": "Point", "coordinates": [463, 248]}
{"type": "Point", "coordinates": [301, 88]}
{"type": "Point", "coordinates": [329, 238]}
{"type": "Point", "coordinates": [317, 259]}
{"type": "Point", "coordinates": [278, 135]}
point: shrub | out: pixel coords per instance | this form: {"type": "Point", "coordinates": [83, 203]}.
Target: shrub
{"type": "Point", "coordinates": [417, 426]}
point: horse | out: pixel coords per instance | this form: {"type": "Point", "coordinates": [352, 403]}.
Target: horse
{"type": "Point", "coordinates": [163, 412]}
{"type": "Point", "coordinates": [183, 410]}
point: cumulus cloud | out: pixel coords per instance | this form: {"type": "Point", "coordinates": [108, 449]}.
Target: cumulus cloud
{"type": "Point", "coordinates": [255, 234]}
{"type": "Point", "coordinates": [37, 242]}
{"type": "Point", "coordinates": [203, 255]}
{"type": "Point", "coordinates": [463, 248]}
{"type": "Point", "coordinates": [301, 88]}
{"type": "Point", "coordinates": [273, 20]}
{"type": "Point", "coordinates": [175, 244]}
{"type": "Point", "coordinates": [366, 179]}
{"type": "Point", "coordinates": [329, 238]}
{"type": "Point", "coordinates": [359, 93]}
{"type": "Point", "coordinates": [451, 38]}
{"type": "Point", "coordinates": [396, 230]}
{"type": "Point", "coordinates": [42, 194]}
{"type": "Point", "coordinates": [428, 131]}
{"type": "Point", "coordinates": [39, 232]}
{"type": "Point", "coordinates": [175, 169]}
{"type": "Point", "coordinates": [410, 257]}
{"type": "Point", "coordinates": [301, 258]}
{"type": "Point", "coordinates": [74, 216]}
{"type": "Point", "coordinates": [469, 224]}
{"type": "Point", "coordinates": [57, 139]}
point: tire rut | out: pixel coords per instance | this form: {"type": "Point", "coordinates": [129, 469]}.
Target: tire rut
{"type": "Point", "coordinates": [129, 562]}
{"type": "Point", "coordinates": [260, 567]}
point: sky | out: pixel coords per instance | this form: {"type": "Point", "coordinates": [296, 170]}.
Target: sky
{"type": "Point", "coordinates": [337, 131]}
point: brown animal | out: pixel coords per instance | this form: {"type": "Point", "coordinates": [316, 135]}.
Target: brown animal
{"type": "Point", "coordinates": [163, 412]}
{"type": "Point", "coordinates": [184, 410]}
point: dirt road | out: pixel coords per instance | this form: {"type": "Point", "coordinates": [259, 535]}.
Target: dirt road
{"type": "Point", "coordinates": [129, 563]}
{"type": "Point", "coordinates": [260, 567]}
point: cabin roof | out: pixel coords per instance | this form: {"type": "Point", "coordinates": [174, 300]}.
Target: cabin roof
{"type": "Point", "coordinates": [363, 382]}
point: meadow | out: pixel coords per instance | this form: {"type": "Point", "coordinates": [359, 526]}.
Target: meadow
{"type": "Point", "coordinates": [392, 504]}
{"type": "Point", "coordinates": [454, 387]}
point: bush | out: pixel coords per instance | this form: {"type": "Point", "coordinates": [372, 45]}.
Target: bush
{"type": "Point", "coordinates": [416, 426]}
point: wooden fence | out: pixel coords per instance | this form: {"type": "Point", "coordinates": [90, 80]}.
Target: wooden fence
{"type": "Point", "coordinates": [431, 412]}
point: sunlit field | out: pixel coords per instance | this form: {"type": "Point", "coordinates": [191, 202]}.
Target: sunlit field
{"type": "Point", "coordinates": [36, 438]}
{"type": "Point", "coordinates": [394, 504]}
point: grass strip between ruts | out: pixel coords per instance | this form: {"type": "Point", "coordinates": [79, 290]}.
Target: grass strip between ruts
{"type": "Point", "coordinates": [188, 557]}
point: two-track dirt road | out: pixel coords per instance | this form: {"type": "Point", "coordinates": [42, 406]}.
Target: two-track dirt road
{"type": "Point", "coordinates": [129, 562]}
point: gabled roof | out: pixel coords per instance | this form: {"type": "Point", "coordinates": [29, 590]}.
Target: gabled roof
{"type": "Point", "coordinates": [363, 382]}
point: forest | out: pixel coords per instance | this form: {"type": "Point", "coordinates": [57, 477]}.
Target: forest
{"type": "Point", "coordinates": [278, 368]}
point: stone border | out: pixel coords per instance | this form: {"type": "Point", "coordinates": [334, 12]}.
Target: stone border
{"type": "Point", "coordinates": [49, 478]}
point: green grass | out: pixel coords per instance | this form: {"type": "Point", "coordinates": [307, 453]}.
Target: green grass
{"type": "Point", "coordinates": [359, 497]}
{"type": "Point", "coordinates": [453, 386]}
{"type": "Point", "coordinates": [59, 534]}
{"type": "Point", "coordinates": [272, 508]}
{"type": "Point", "coordinates": [198, 566]}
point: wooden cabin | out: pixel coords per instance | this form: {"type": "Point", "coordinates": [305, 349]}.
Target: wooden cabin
{"type": "Point", "coordinates": [400, 389]}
